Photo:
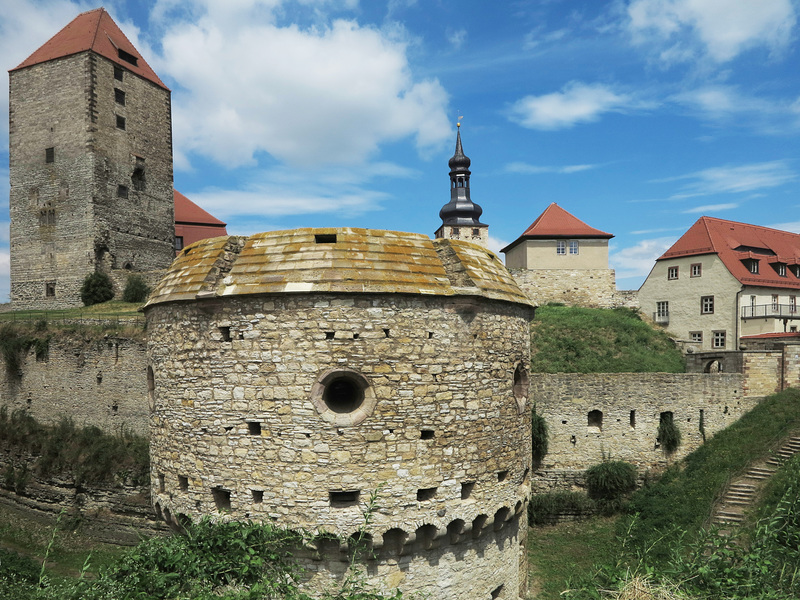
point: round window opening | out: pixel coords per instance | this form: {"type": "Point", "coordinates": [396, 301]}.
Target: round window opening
{"type": "Point", "coordinates": [343, 394]}
{"type": "Point", "coordinates": [343, 397]}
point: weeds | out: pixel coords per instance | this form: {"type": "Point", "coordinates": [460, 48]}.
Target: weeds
{"type": "Point", "coordinates": [539, 437]}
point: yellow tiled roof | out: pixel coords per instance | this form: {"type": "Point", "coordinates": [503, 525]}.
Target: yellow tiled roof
{"type": "Point", "coordinates": [335, 260]}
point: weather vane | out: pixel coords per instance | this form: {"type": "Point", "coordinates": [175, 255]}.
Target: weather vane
{"type": "Point", "coordinates": [460, 116]}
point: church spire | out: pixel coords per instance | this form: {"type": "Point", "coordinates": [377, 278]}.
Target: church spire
{"type": "Point", "coordinates": [461, 216]}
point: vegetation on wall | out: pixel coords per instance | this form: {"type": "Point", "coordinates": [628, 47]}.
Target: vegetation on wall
{"type": "Point", "coordinates": [96, 288]}
{"type": "Point", "coordinates": [16, 342]}
{"type": "Point", "coordinates": [86, 453]}
{"type": "Point", "coordinates": [669, 436]}
{"type": "Point", "coordinates": [608, 482]}
{"type": "Point", "coordinates": [568, 339]}
{"type": "Point", "coordinates": [540, 437]}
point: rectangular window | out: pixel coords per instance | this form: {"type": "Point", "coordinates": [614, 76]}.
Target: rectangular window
{"type": "Point", "coordinates": [781, 269]}
{"type": "Point", "coordinates": [561, 248]}
{"type": "Point", "coordinates": [49, 155]}
{"type": "Point", "coordinates": [122, 191]}
{"type": "Point", "coordinates": [672, 273]}
{"type": "Point", "coordinates": [696, 337]}
{"type": "Point", "coordinates": [50, 289]}
{"type": "Point", "coordinates": [753, 266]}
{"type": "Point", "coordinates": [662, 309]}
{"type": "Point", "coordinates": [792, 303]}
{"type": "Point", "coordinates": [573, 246]}
{"type": "Point", "coordinates": [178, 242]}
{"type": "Point", "coordinates": [719, 339]}
{"type": "Point", "coordinates": [119, 96]}
{"type": "Point", "coordinates": [120, 122]}
{"type": "Point", "coordinates": [707, 305]}
{"type": "Point", "coordinates": [774, 301]}
{"type": "Point", "coordinates": [697, 270]}
{"type": "Point", "coordinates": [118, 71]}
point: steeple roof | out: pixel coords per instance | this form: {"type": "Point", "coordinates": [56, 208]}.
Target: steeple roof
{"type": "Point", "coordinates": [557, 223]}
{"type": "Point", "coordinates": [94, 30]}
{"type": "Point", "coordinates": [461, 211]}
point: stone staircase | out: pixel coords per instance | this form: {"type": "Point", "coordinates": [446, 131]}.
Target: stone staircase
{"type": "Point", "coordinates": [730, 510]}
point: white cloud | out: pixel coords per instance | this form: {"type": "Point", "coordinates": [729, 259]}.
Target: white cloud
{"type": "Point", "coordinates": [5, 277]}
{"type": "Point", "coordinates": [457, 38]}
{"type": "Point", "coordinates": [495, 244]}
{"type": "Point", "coordinates": [638, 260]}
{"type": "Point", "coordinates": [322, 95]}
{"type": "Point", "coordinates": [730, 180]}
{"type": "Point", "coordinates": [683, 30]}
{"type": "Point", "coordinates": [793, 226]}
{"type": "Point", "coordinates": [711, 208]}
{"type": "Point", "coordinates": [525, 168]}
{"type": "Point", "coordinates": [576, 103]}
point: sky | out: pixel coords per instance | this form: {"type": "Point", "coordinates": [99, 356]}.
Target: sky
{"type": "Point", "coordinates": [636, 116]}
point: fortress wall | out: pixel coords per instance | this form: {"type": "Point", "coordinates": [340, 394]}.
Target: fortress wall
{"type": "Point", "coordinates": [631, 405]}
{"type": "Point", "coordinates": [593, 288]}
{"type": "Point", "coordinates": [97, 382]}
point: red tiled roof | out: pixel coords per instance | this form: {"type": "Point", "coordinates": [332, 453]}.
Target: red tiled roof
{"type": "Point", "coordinates": [94, 30]}
{"type": "Point", "coordinates": [555, 222]}
{"type": "Point", "coordinates": [764, 336]}
{"type": "Point", "coordinates": [188, 213]}
{"type": "Point", "coordinates": [734, 242]}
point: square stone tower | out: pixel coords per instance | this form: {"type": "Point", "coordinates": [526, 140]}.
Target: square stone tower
{"type": "Point", "coordinates": [90, 137]}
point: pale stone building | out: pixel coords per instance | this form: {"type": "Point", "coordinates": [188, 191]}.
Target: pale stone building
{"type": "Point", "coordinates": [559, 258]}
{"type": "Point", "coordinates": [294, 373]}
{"type": "Point", "coordinates": [90, 147]}
{"type": "Point", "coordinates": [723, 280]}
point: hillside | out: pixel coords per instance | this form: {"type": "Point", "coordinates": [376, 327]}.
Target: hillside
{"type": "Point", "coordinates": [568, 339]}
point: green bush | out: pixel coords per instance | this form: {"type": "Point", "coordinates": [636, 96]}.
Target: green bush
{"type": "Point", "coordinates": [136, 289]}
{"type": "Point", "coordinates": [96, 288]}
{"type": "Point", "coordinates": [539, 437]}
{"type": "Point", "coordinates": [669, 436]}
{"type": "Point", "coordinates": [610, 480]}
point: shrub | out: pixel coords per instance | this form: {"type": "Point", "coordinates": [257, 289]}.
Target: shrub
{"type": "Point", "coordinates": [136, 289]}
{"type": "Point", "coordinates": [96, 288]}
{"type": "Point", "coordinates": [540, 437]}
{"type": "Point", "coordinates": [610, 480]}
{"type": "Point", "coordinates": [669, 436]}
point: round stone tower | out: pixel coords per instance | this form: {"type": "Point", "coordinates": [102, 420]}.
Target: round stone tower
{"type": "Point", "coordinates": [294, 375]}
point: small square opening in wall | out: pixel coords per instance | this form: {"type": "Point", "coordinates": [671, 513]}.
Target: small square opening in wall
{"type": "Point", "coordinates": [633, 419]}
{"type": "Point", "coordinates": [502, 475]}
{"type": "Point", "coordinates": [466, 489]}
{"type": "Point", "coordinates": [162, 482]}
{"type": "Point", "coordinates": [222, 498]}
{"type": "Point", "coordinates": [497, 592]}
{"type": "Point", "coordinates": [120, 122]}
{"type": "Point", "coordinates": [50, 289]}
{"type": "Point", "coordinates": [426, 434]}
{"type": "Point", "coordinates": [122, 191]}
{"type": "Point", "coordinates": [344, 498]}
{"type": "Point", "coordinates": [118, 73]}
{"type": "Point", "coordinates": [258, 496]}
{"type": "Point", "coordinates": [183, 483]}
{"type": "Point", "coordinates": [49, 155]}
{"type": "Point", "coordinates": [119, 97]}
{"type": "Point", "coordinates": [329, 335]}
{"type": "Point", "coordinates": [325, 238]}
{"type": "Point", "coordinates": [254, 428]}
{"type": "Point", "coordinates": [426, 494]}
{"type": "Point", "coordinates": [226, 333]}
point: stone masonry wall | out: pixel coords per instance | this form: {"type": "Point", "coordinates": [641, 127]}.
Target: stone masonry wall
{"type": "Point", "coordinates": [241, 425]}
{"type": "Point", "coordinates": [631, 405]}
{"type": "Point", "coordinates": [96, 382]}
{"type": "Point", "coordinates": [593, 288]}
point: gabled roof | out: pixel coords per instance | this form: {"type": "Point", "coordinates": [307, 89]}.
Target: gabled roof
{"type": "Point", "coordinates": [94, 30]}
{"type": "Point", "coordinates": [188, 213]}
{"type": "Point", "coordinates": [557, 223]}
{"type": "Point", "coordinates": [736, 243]}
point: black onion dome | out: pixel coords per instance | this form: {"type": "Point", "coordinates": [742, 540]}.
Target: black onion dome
{"type": "Point", "coordinates": [460, 161]}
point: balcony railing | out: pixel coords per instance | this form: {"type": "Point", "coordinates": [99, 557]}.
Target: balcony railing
{"type": "Point", "coordinates": [778, 311]}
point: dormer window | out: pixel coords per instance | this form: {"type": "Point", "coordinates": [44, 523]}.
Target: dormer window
{"type": "Point", "coordinates": [781, 269]}
{"type": "Point", "coordinates": [752, 265]}
{"type": "Point", "coordinates": [127, 57]}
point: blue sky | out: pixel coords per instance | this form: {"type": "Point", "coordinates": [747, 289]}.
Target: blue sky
{"type": "Point", "coordinates": [637, 116]}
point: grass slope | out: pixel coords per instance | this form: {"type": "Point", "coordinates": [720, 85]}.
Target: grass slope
{"type": "Point", "coordinates": [567, 339]}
